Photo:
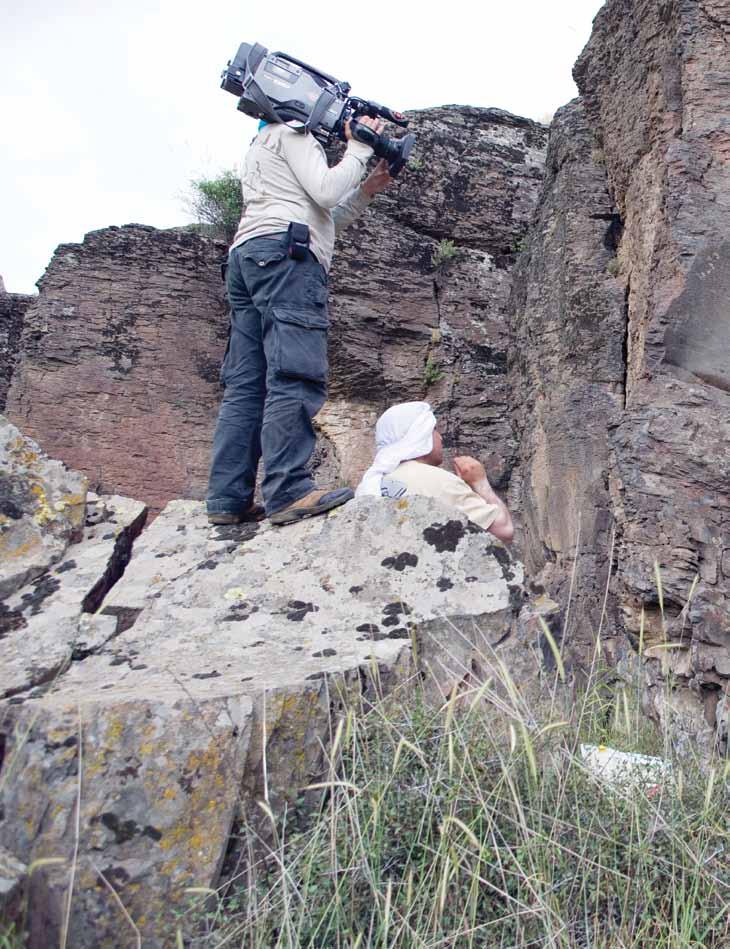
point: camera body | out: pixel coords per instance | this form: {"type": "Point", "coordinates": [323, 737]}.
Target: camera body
{"type": "Point", "coordinates": [279, 88]}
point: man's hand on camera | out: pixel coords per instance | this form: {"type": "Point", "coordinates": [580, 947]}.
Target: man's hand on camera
{"type": "Point", "coordinates": [378, 179]}
{"type": "Point", "coordinates": [470, 470]}
{"type": "Point", "coordinates": [377, 125]}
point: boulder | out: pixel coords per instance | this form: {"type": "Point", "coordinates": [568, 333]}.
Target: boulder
{"type": "Point", "coordinates": [236, 652]}
{"type": "Point", "coordinates": [42, 509]}
{"type": "Point", "coordinates": [50, 619]}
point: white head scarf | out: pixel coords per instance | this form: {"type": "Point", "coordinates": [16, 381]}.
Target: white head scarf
{"type": "Point", "coordinates": [402, 432]}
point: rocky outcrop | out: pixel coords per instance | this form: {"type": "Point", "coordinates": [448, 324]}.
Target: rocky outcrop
{"type": "Point", "coordinates": [420, 287]}
{"type": "Point", "coordinates": [61, 550]}
{"type": "Point", "coordinates": [126, 337]}
{"type": "Point", "coordinates": [568, 333]}
{"type": "Point", "coordinates": [654, 78]}
{"type": "Point", "coordinates": [641, 459]}
{"type": "Point", "coordinates": [130, 326]}
{"type": "Point", "coordinates": [230, 658]}
{"type": "Point", "coordinates": [13, 307]}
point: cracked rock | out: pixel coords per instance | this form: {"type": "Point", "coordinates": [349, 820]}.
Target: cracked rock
{"type": "Point", "coordinates": [235, 640]}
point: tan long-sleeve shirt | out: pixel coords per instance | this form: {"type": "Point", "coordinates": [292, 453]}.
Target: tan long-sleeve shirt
{"type": "Point", "coordinates": [415, 477]}
{"type": "Point", "coordinates": [286, 178]}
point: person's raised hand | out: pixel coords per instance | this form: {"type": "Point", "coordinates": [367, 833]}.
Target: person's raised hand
{"type": "Point", "coordinates": [470, 470]}
{"type": "Point", "coordinates": [377, 125]}
{"type": "Point", "coordinates": [378, 179]}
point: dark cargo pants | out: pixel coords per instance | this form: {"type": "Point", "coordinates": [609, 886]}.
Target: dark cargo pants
{"type": "Point", "coordinates": [275, 376]}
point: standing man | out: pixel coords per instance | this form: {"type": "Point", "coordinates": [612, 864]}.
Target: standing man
{"type": "Point", "coordinates": [275, 368]}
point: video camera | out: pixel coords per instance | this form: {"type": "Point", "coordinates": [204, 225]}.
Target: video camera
{"type": "Point", "coordinates": [279, 88]}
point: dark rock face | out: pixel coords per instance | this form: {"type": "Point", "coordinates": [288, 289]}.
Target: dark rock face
{"type": "Point", "coordinates": [568, 328]}
{"type": "Point", "coordinates": [119, 368]}
{"type": "Point", "coordinates": [118, 375]}
{"type": "Point", "coordinates": [13, 307]}
{"type": "Point", "coordinates": [666, 149]}
{"type": "Point", "coordinates": [414, 317]}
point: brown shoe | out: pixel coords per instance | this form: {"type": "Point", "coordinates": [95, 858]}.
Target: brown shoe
{"type": "Point", "coordinates": [253, 513]}
{"type": "Point", "coordinates": [316, 502]}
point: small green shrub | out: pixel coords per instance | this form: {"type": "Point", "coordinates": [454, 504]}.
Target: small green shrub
{"type": "Point", "coordinates": [613, 266]}
{"type": "Point", "coordinates": [442, 252]}
{"type": "Point", "coordinates": [217, 204]}
{"type": "Point", "coordinates": [432, 372]}
{"type": "Point", "coordinates": [415, 164]}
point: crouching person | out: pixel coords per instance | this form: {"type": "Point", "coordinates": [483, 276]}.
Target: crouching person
{"type": "Point", "coordinates": [275, 368]}
{"type": "Point", "coordinates": [408, 461]}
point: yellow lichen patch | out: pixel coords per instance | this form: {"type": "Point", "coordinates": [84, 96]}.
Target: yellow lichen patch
{"type": "Point", "coordinates": [402, 505]}
{"type": "Point", "coordinates": [44, 514]}
{"type": "Point", "coordinates": [235, 593]}
{"type": "Point", "coordinates": [181, 835]}
{"type": "Point", "coordinates": [22, 453]}
{"type": "Point", "coordinates": [169, 794]}
{"type": "Point", "coordinates": [115, 729]}
{"type": "Point", "coordinates": [8, 550]}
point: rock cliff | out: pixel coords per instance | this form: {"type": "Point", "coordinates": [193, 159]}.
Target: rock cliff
{"type": "Point", "coordinates": [13, 307]}
{"type": "Point", "coordinates": [625, 426]}
{"type": "Point", "coordinates": [567, 317]}
{"type": "Point", "coordinates": [126, 336]}
{"type": "Point", "coordinates": [568, 327]}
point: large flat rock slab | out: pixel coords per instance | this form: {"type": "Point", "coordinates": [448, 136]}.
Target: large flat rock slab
{"type": "Point", "coordinates": [236, 651]}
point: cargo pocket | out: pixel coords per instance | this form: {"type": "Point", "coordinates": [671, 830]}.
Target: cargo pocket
{"type": "Point", "coordinates": [263, 255]}
{"type": "Point", "coordinates": [301, 342]}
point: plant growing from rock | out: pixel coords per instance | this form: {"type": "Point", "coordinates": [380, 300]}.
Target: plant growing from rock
{"type": "Point", "coordinates": [217, 203]}
{"type": "Point", "coordinates": [443, 251]}
{"type": "Point", "coordinates": [432, 372]}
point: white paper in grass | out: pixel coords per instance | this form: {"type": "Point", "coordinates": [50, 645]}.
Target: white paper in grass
{"type": "Point", "coordinates": [624, 770]}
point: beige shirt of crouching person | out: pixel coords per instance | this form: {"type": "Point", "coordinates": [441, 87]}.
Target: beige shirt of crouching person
{"type": "Point", "coordinates": [413, 477]}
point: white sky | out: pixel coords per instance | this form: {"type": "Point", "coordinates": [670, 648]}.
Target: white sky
{"type": "Point", "coordinates": [108, 109]}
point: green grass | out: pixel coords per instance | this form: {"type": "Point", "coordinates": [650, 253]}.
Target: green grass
{"type": "Point", "coordinates": [461, 827]}
{"type": "Point", "coordinates": [9, 938]}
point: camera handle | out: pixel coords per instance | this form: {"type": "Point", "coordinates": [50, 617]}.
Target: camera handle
{"type": "Point", "coordinates": [364, 134]}
{"type": "Point", "coordinates": [395, 151]}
